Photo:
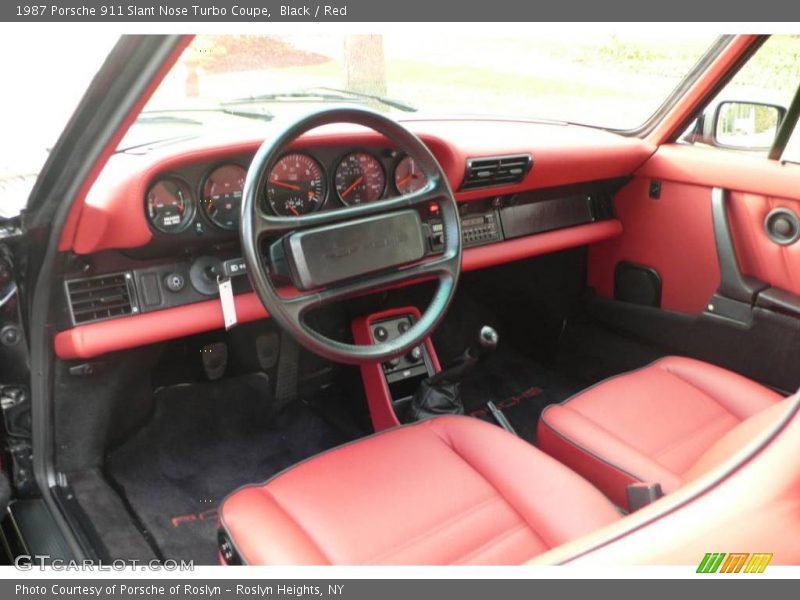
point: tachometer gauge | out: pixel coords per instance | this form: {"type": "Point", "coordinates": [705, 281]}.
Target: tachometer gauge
{"type": "Point", "coordinates": [360, 178]}
{"type": "Point", "coordinates": [170, 207]}
{"type": "Point", "coordinates": [408, 177]}
{"type": "Point", "coordinates": [296, 185]}
{"type": "Point", "coordinates": [222, 195]}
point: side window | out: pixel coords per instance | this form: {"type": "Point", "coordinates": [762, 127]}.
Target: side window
{"type": "Point", "coordinates": [745, 115]}
{"type": "Point", "coordinates": [792, 151]}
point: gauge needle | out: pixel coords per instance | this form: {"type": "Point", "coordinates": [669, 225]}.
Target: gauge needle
{"type": "Point", "coordinates": [294, 211]}
{"type": "Point", "coordinates": [352, 186]}
{"type": "Point", "coordinates": [405, 180]}
{"type": "Point", "coordinates": [288, 186]}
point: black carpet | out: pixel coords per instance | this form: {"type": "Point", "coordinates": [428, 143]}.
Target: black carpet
{"type": "Point", "coordinates": [589, 352]}
{"type": "Point", "coordinates": [204, 441]}
{"type": "Point", "coordinates": [520, 387]}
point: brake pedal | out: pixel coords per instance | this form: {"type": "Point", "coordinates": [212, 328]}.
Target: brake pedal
{"type": "Point", "coordinates": [267, 350]}
{"type": "Point", "coordinates": [215, 360]}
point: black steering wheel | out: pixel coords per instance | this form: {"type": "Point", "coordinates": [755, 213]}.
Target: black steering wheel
{"type": "Point", "coordinates": [333, 255]}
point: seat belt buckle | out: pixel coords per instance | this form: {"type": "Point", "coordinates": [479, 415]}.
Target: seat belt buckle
{"type": "Point", "coordinates": [642, 494]}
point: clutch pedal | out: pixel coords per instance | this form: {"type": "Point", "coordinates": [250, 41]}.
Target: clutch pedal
{"type": "Point", "coordinates": [215, 360]}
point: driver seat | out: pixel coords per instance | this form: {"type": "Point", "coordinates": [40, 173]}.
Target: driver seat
{"type": "Point", "coordinates": [449, 490]}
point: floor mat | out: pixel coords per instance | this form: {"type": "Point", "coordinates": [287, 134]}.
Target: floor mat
{"type": "Point", "coordinates": [204, 441]}
{"type": "Point", "coordinates": [590, 352]}
{"type": "Point", "coordinates": [520, 387]}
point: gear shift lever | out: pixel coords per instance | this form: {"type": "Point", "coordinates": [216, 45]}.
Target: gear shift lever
{"type": "Point", "coordinates": [488, 339]}
{"type": "Point", "coordinates": [440, 394]}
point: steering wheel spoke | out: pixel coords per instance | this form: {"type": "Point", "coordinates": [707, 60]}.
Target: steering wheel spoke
{"type": "Point", "coordinates": [439, 267]}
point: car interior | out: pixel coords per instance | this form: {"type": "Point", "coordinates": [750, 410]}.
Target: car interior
{"type": "Point", "coordinates": [363, 339]}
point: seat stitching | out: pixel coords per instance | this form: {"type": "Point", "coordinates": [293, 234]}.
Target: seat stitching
{"type": "Point", "coordinates": [589, 451]}
{"type": "Point", "coordinates": [685, 437]}
{"type": "Point", "coordinates": [494, 541]}
{"type": "Point", "coordinates": [427, 533]}
{"type": "Point", "coordinates": [491, 484]}
{"type": "Point", "coordinates": [296, 521]}
{"type": "Point", "coordinates": [657, 452]}
{"type": "Point", "coordinates": [697, 387]}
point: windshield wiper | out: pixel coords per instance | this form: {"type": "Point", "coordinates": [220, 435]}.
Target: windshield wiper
{"type": "Point", "coordinates": [394, 102]}
{"type": "Point", "coordinates": [321, 94]}
{"type": "Point", "coordinates": [166, 120]}
{"type": "Point", "coordinates": [263, 115]}
{"type": "Point", "coordinates": [173, 116]}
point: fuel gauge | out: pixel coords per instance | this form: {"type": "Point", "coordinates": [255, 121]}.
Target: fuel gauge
{"type": "Point", "coordinates": [169, 204]}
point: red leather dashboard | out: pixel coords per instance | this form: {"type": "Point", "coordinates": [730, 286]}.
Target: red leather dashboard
{"type": "Point", "coordinates": [112, 215]}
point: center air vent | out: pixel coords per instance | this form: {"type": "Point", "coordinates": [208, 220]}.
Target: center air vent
{"type": "Point", "coordinates": [496, 170]}
{"type": "Point", "coordinates": [102, 297]}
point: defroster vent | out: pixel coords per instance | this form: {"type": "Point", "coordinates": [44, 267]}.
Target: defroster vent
{"type": "Point", "coordinates": [496, 170]}
{"type": "Point", "coordinates": [101, 297]}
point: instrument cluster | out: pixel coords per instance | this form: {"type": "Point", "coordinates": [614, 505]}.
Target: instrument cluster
{"type": "Point", "coordinates": [300, 182]}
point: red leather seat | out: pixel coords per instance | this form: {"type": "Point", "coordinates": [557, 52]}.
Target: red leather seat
{"type": "Point", "coordinates": [451, 490]}
{"type": "Point", "coordinates": [652, 425]}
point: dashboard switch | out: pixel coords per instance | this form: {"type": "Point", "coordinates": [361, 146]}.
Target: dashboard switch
{"type": "Point", "coordinates": [415, 355]}
{"type": "Point", "coordinates": [234, 267]}
{"type": "Point", "coordinates": [174, 282]}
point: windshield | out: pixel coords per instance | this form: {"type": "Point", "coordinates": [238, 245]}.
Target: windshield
{"type": "Point", "coordinates": [613, 81]}
{"type": "Point", "coordinates": [227, 83]}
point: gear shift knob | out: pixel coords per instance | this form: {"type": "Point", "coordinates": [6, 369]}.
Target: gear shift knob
{"type": "Point", "coordinates": [488, 338]}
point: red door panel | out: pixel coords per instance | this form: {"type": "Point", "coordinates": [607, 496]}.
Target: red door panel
{"type": "Point", "coordinates": [674, 234]}
{"type": "Point", "coordinates": [758, 255]}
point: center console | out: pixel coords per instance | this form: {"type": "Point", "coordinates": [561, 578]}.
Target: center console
{"type": "Point", "coordinates": [389, 386]}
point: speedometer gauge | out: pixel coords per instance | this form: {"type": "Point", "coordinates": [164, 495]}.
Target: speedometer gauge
{"type": "Point", "coordinates": [296, 185]}
{"type": "Point", "coordinates": [222, 195]}
{"type": "Point", "coordinates": [169, 205]}
{"type": "Point", "coordinates": [360, 178]}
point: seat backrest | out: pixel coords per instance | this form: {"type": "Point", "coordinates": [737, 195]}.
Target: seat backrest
{"type": "Point", "coordinates": [739, 506]}
{"type": "Point", "coordinates": [736, 439]}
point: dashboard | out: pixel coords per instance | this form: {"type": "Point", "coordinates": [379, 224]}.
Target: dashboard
{"type": "Point", "coordinates": [208, 196]}
{"type": "Point", "coordinates": [143, 250]}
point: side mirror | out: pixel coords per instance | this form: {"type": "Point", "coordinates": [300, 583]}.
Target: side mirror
{"type": "Point", "coordinates": [746, 125]}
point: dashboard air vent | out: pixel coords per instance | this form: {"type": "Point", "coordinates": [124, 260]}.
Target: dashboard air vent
{"type": "Point", "coordinates": [496, 170]}
{"type": "Point", "coordinates": [102, 297]}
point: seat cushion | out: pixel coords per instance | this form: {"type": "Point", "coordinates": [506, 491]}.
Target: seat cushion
{"type": "Point", "coordinates": [650, 425]}
{"type": "Point", "coordinates": [450, 490]}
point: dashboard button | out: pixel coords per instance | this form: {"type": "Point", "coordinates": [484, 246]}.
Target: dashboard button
{"type": "Point", "coordinates": [174, 282]}
{"type": "Point", "coordinates": [391, 364]}
{"type": "Point", "coordinates": [380, 333]}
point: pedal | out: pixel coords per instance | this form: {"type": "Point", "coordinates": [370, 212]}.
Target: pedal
{"type": "Point", "coordinates": [215, 360]}
{"type": "Point", "coordinates": [267, 350]}
{"type": "Point", "coordinates": [288, 371]}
